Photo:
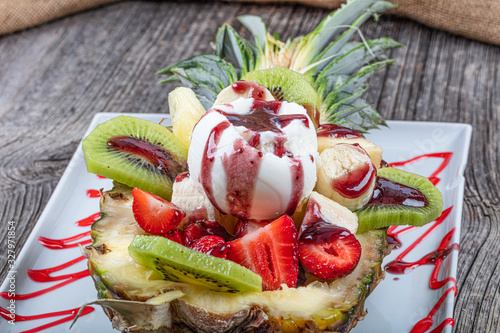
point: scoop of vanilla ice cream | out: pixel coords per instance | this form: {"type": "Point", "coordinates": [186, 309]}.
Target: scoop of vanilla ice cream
{"type": "Point", "coordinates": [254, 159]}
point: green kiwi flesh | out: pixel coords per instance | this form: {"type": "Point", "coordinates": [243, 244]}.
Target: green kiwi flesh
{"type": "Point", "coordinates": [176, 262]}
{"type": "Point", "coordinates": [380, 216]}
{"type": "Point", "coordinates": [135, 152]}
{"type": "Point", "coordinates": [287, 85]}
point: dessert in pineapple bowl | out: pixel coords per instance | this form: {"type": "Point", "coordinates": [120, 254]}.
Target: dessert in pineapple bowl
{"type": "Point", "coordinates": [263, 208]}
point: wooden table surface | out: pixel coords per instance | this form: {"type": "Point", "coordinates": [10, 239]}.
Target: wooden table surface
{"type": "Point", "coordinates": [54, 78]}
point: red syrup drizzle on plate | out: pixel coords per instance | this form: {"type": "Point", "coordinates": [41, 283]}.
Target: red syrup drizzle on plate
{"type": "Point", "coordinates": [436, 258]}
{"type": "Point", "coordinates": [93, 193]}
{"type": "Point", "coordinates": [44, 275]}
{"type": "Point", "coordinates": [446, 156]}
{"type": "Point", "coordinates": [57, 244]}
{"type": "Point", "coordinates": [71, 312]}
{"type": "Point", "coordinates": [88, 220]}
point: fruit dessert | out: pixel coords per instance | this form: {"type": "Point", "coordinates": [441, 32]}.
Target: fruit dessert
{"type": "Point", "coordinates": [263, 208]}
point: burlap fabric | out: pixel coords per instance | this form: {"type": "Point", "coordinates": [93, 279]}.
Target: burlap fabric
{"type": "Point", "coordinates": [478, 19]}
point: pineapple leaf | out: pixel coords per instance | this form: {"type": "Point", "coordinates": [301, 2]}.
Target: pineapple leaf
{"type": "Point", "coordinates": [237, 50]}
{"type": "Point", "coordinates": [257, 27]}
{"type": "Point", "coordinates": [334, 48]}
{"type": "Point", "coordinates": [355, 55]}
{"type": "Point", "coordinates": [211, 63]}
{"type": "Point", "coordinates": [357, 81]}
{"type": "Point", "coordinates": [359, 115]}
{"type": "Point", "coordinates": [353, 11]}
{"type": "Point", "coordinates": [344, 100]}
{"type": "Point", "coordinates": [205, 95]}
{"type": "Point", "coordinates": [205, 74]}
{"type": "Point", "coordinates": [334, 67]}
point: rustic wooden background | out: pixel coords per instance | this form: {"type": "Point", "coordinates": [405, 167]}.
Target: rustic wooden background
{"type": "Point", "coordinates": [54, 78]}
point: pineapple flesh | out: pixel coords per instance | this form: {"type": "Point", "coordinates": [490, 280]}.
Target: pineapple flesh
{"type": "Point", "coordinates": [137, 300]}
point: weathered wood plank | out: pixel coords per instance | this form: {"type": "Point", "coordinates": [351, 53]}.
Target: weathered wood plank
{"type": "Point", "coordinates": [54, 78]}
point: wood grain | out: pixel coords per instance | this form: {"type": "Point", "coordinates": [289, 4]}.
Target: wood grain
{"type": "Point", "coordinates": [54, 78]}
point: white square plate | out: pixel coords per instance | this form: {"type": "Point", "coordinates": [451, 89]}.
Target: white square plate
{"type": "Point", "coordinates": [396, 305]}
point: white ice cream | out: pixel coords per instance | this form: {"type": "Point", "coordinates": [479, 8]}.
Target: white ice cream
{"type": "Point", "coordinates": [252, 182]}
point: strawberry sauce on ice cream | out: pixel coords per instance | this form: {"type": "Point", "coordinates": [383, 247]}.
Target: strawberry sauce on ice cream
{"type": "Point", "coordinates": [254, 159]}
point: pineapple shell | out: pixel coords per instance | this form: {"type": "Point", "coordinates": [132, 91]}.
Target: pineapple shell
{"type": "Point", "coordinates": [136, 299]}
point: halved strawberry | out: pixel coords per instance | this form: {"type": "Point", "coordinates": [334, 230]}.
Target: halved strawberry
{"type": "Point", "coordinates": [328, 251]}
{"type": "Point", "coordinates": [271, 252]}
{"type": "Point", "coordinates": [175, 235]}
{"type": "Point", "coordinates": [213, 245]}
{"type": "Point", "coordinates": [197, 229]}
{"type": "Point", "coordinates": [155, 214]}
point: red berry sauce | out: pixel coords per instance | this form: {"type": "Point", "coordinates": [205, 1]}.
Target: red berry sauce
{"type": "Point", "coordinates": [356, 182]}
{"type": "Point", "coordinates": [336, 131]}
{"type": "Point", "coordinates": [240, 190]}
{"type": "Point", "coordinates": [254, 89]}
{"type": "Point", "coordinates": [243, 164]}
{"type": "Point", "coordinates": [388, 192]}
{"type": "Point", "coordinates": [159, 158]}
{"type": "Point", "coordinates": [180, 177]}
{"type": "Point", "coordinates": [264, 118]}
{"type": "Point", "coordinates": [322, 232]}
{"type": "Point", "coordinates": [208, 159]}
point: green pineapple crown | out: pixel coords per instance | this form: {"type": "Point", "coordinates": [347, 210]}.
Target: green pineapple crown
{"type": "Point", "coordinates": [337, 68]}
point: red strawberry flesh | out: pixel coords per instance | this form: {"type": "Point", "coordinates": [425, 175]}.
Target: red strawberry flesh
{"type": "Point", "coordinates": [175, 235]}
{"type": "Point", "coordinates": [328, 251]}
{"type": "Point", "coordinates": [155, 214]}
{"type": "Point", "coordinates": [212, 245]}
{"type": "Point", "coordinates": [270, 251]}
{"type": "Point", "coordinates": [197, 229]}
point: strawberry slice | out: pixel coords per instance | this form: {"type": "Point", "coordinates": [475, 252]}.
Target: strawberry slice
{"type": "Point", "coordinates": [328, 251]}
{"type": "Point", "coordinates": [175, 235]}
{"type": "Point", "coordinates": [155, 214]}
{"type": "Point", "coordinates": [270, 251]}
{"type": "Point", "coordinates": [213, 245]}
{"type": "Point", "coordinates": [197, 229]}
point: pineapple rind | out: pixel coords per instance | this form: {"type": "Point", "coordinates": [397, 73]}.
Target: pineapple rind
{"type": "Point", "coordinates": [315, 306]}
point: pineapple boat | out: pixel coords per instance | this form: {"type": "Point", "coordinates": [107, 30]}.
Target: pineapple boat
{"type": "Point", "coordinates": [267, 212]}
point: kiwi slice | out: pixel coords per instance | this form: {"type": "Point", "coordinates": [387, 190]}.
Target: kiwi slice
{"type": "Point", "coordinates": [176, 262]}
{"type": "Point", "coordinates": [288, 85]}
{"type": "Point", "coordinates": [135, 152]}
{"type": "Point", "coordinates": [400, 205]}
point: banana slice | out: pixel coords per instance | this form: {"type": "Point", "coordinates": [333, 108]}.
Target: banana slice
{"type": "Point", "coordinates": [346, 175]}
{"type": "Point", "coordinates": [191, 201]}
{"type": "Point", "coordinates": [331, 134]}
{"type": "Point", "coordinates": [243, 89]}
{"type": "Point", "coordinates": [322, 208]}
{"type": "Point", "coordinates": [196, 205]}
